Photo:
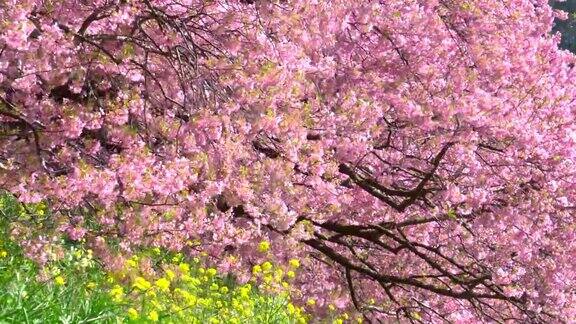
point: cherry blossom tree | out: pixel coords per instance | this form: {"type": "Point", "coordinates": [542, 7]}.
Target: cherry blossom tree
{"type": "Point", "coordinates": [416, 156]}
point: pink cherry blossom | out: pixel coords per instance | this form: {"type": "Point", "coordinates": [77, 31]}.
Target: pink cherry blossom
{"type": "Point", "coordinates": [416, 156]}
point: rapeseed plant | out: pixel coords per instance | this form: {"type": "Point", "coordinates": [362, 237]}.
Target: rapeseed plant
{"type": "Point", "coordinates": [180, 289]}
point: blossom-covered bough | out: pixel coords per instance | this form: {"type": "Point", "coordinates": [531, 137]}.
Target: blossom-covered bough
{"type": "Point", "coordinates": [416, 156]}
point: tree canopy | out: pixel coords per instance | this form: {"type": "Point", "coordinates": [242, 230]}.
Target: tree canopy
{"type": "Point", "coordinates": [417, 156]}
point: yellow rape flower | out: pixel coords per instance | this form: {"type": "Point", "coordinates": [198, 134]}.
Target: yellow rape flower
{"type": "Point", "coordinates": [91, 285]}
{"type": "Point", "coordinates": [117, 293]}
{"type": "Point", "coordinates": [176, 309]}
{"type": "Point", "coordinates": [163, 284]}
{"type": "Point", "coordinates": [266, 266]}
{"type": "Point", "coordinates": [294, 263]}
{"type": "Point", "coordinates": [132, 314]}
{"type": "Point", "coordinates": [157, 304]}
{"type": "Point", "coordinates": [141, 284]}
{"type": "Point", "coordinates": [191, 300]}
{"type": "Point", "coordinates": [60, 281]}
{"type": "Point", "coordinates": [264, 246]}
{"type": "Point", "coordinates": [290, 308]}
{"type": "Point", "coordinates": [245, 291]}
{"type": "Point", "coordinates": [131, 263]}
{"type": "Point", "coordinates": [170, 275]}
{"type": "Point", "coordinates": [150, 293]}
{"type": "Point", "coordinates": [153, 316]}
{"type": "Point", "coordinates": [177, 258]}
{"type": "Point", "coordinates": [278, 274]}
{"type": "Point", "coordinates": [247, 312]}
{"type": "Point", "coordinates": [78, 254]}
{"type": "Point", "coordinates": [184, 267]}
{"type": "Point", "coordinates": [188, 297]}
{"type": "Point", "coordinates": [196, 282]}
{"type": "Point", "coordinates": [3, 254]}
{"type": "Point", "coordinates": [211, 272]}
